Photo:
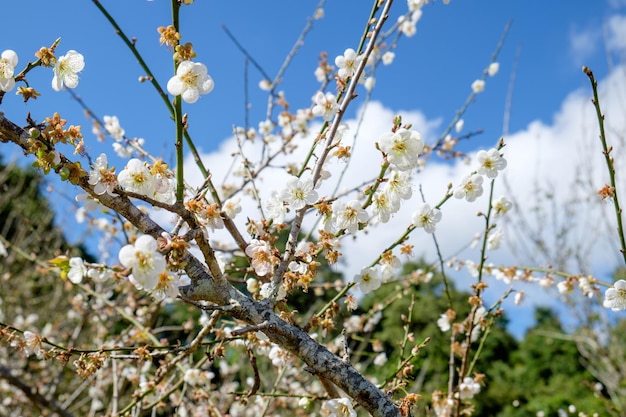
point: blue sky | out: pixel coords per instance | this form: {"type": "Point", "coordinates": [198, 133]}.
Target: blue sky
{"type": "Point", "coordinates": [429, 80]}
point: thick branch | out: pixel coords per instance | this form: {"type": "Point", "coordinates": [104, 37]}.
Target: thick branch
{"type": "Point", "coordinates": [205, 287]}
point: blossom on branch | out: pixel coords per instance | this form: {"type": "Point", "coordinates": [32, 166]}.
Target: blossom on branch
{"type": "Point", "coordinates": [325, 106]}
{"type": "Point", "coordinates": [299, 193]}
{"type": "Point", "coordinates": [145, 262]}
{"type": "Point", "coordinates": [8, 62]}
{"type": "Point", "coordinates": [348, 63]}
{"type": "Point", "coordinates": [137, 178]}
{"type": "Point", "coordinates": [338, 407]}
{"type": "Point", "coordinates": [427, 218]}
{"type": "Point", "coordinates": [348, 215]}
{"type": "Point", "coordinates": [490, 162]}
{"type": "Point", "coordinates": [191, 80]}
{"type": "Point", "coordinates": [369, 279]}
{"type": "Point", "coordinates": [471, 188]}
{"type": "Point", "coordinates": [66, 70]}
{"type": "Point", "coordinates": [615, 297]}
{"type": "Point", "coordinates": [102, 178]}
{"type": "Point", "coordinates": [402, 148]}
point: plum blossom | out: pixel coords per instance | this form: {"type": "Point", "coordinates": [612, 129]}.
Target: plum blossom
{"type": "Point", "coordinates": [478, 86]}
{"type": "Point", "coordinates": [66, 70]}
{"type": "Point", "coordinates": [388, 58]}
{"type": "Point", "coordinates": [77, 270]}
{"type": "Point", "coordinates": [468, 388]}
{"type": "Point", "coordinates": [8, 62]}
{"type": "Point", "coordinates": [167, 286]}
{"type": "Point", "coordinates": [348, 215]}
{"type": "Point", "coordinates": [102, 178]}
{"type": "Point", "coordinates": [501, 206]}
{"type": "Point", "coordinates": [494, 239]}
{"type": "Point", "coordinates": [493, 68]}
{"type": "Point", "coordinates": [232, 207]}
{"type": "Point", "coordinates": [427, 218]}
{"type": "Point", "coordinates": [261, 258]}
{"type": "Point", "coordinates": [402, 148]}
{"type": "Point", "coordinates": [369, 279]}
{"type": "Point", "coordinates": [399, 186]}
{"type": "Point", "coordinates": [443, 322]}
{"type": "Point", "coordinates": [325, 106]}
{"type": "Point", "coordinates": [615, 297]}
{"type": "Point", "coordinates": [112, 125]}
{"type": "Point", "coordinates": [338, 407]}
{"type": "Point", "coordinates": [33, 344]}
{"type": "Point", "coordinates": [137, 178]}
{"type": "Point", "coordinates": [191, 80]}
{"type": "Point", "coordinates": [471, 187]}
{"type": "Point", "coordinates": [299, 193]}
{"type": "Point", "coordinates": [490, 162]}
{"type": "Point", "coordinates": [384, 206]}
{"type": "Point", "coordinates": [145, 262]}
{"type": "Point", "coordinates": [275, 208]}
{"type": "Point", "coordinates": [348, 63]}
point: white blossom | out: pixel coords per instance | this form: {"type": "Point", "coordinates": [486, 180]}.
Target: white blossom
{"type": "Point", "coordinates": [490, 162]}
{"type": "Point", "coordinates": [348, 215]}
{"type": "Point", "coordinates": [145, 262]}
{"type": "Point", "coordinates": [8, 62]}
{"type": "Point", "coordinates": [471, 188]}
{"type": "Point", "coordinates": [427, 218]}
{"type": "Point", "coordinates": [402, 148]}
{"type": "Point", "coordinates": [66, 70]}
{"type": "Point", "coordinates": [368, 279]}
{"type": "Point", "coordinates": [77, 271]}
{"type": "Point", "coordinates": [478, 86]}
{"type": "Point", "coordinates": [299, 193]}
{"type": "Point", "coordinates": [615, 297]}
{"type": "Point", "coordinates": [325, 105]}
{"type": "Point", "coordinates": [191, 80]}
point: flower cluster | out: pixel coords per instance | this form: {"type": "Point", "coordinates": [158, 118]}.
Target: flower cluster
{"type": "Point", "coordinates": [155, 183]}
{"type": "Point", "coordinates": [471, 187]}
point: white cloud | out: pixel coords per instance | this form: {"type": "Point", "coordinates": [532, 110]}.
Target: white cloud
{"type": "Point", "coordinates": [554, 171]}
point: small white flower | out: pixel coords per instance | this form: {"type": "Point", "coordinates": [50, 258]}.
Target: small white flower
{"type": "Point", "coordinates": [145, 262]}
{"type": "Point", "coordinates": [8, 62]}
{"type": "Point", "coordinates": [407, 27]}
{"type": "Point", "coordinates": [384, 206]}
{"type": "Point", "coordinates": [490, 162]}
{"type": "Point", "coordinates": [66, 70]}
{"type": "Point", "coordinates": [191, 80]}
{"type": "Point", "coordinates": [615, 298]}
{"type": "Point", "coordinates": [102, 179]}
{"type": "Point", "coordinates": [369, 83]}
{"type": "Point", "coordinates": [402, 148]}
{"type": "Point", "coordinates": [427, 218]}
{"type": "Point", "coordinates": [493, 69]}
{"type": "Point", "coordinates": [519, 297]}
{"type": "Point", "coordinates": [232, 207]}
{"type": "Point", "coordinates": [192, 376]}
{"type": "Point", "coordinates": [478, 86]}
{"type": "Point", "coordinates": [380, 359]}
{"type": "Point", "coordinates": [299, 193]}
{"type": "Point", "coordinates": [112, 125]}
{"type": "Point", "coordinates": [468, 388]}
{"type": "Point", "coordinates": [399, 186]}
{"type": "Point", "coordinates": [494, 239]}
{"type": "Point", "coordinates": [137, 178]}
{"type": "Point", "coordinates": [262, 260]}
{"type": "Point", "coordinates": [459, 125]}
{"type": "Point", "coordinates": [415, 4]}
{"type": "Point", "coordinates": [388, 58]}
{"type": "Point", "coordinates": [33, 344]}
{"type": "Point", "coordinates": [325, 105]}
{"type": "Point", "coordinates": [443, 322]}
{"type": "Point", "coordinates": [368, 279]}
{"type": "Point", "coordinates": [77, 270]}
{"type": "Point", "coordinates": [3, 250]}
{"type": "Point", "coordinates": [347, 63]}
{"type": "Point", "coordinates": [338, 407]}
{"type": "Point", "coordinates": [348, 215]}
{"type": "Point", "coordinates": [501, 206]}
{"type": "Point", "coordinates": [275, 208]}
{"type": "Point", "coordinates": [471, 188]}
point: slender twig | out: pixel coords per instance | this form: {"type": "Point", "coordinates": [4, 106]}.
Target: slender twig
{"type": "Point", "coordinates": [610, 162]}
